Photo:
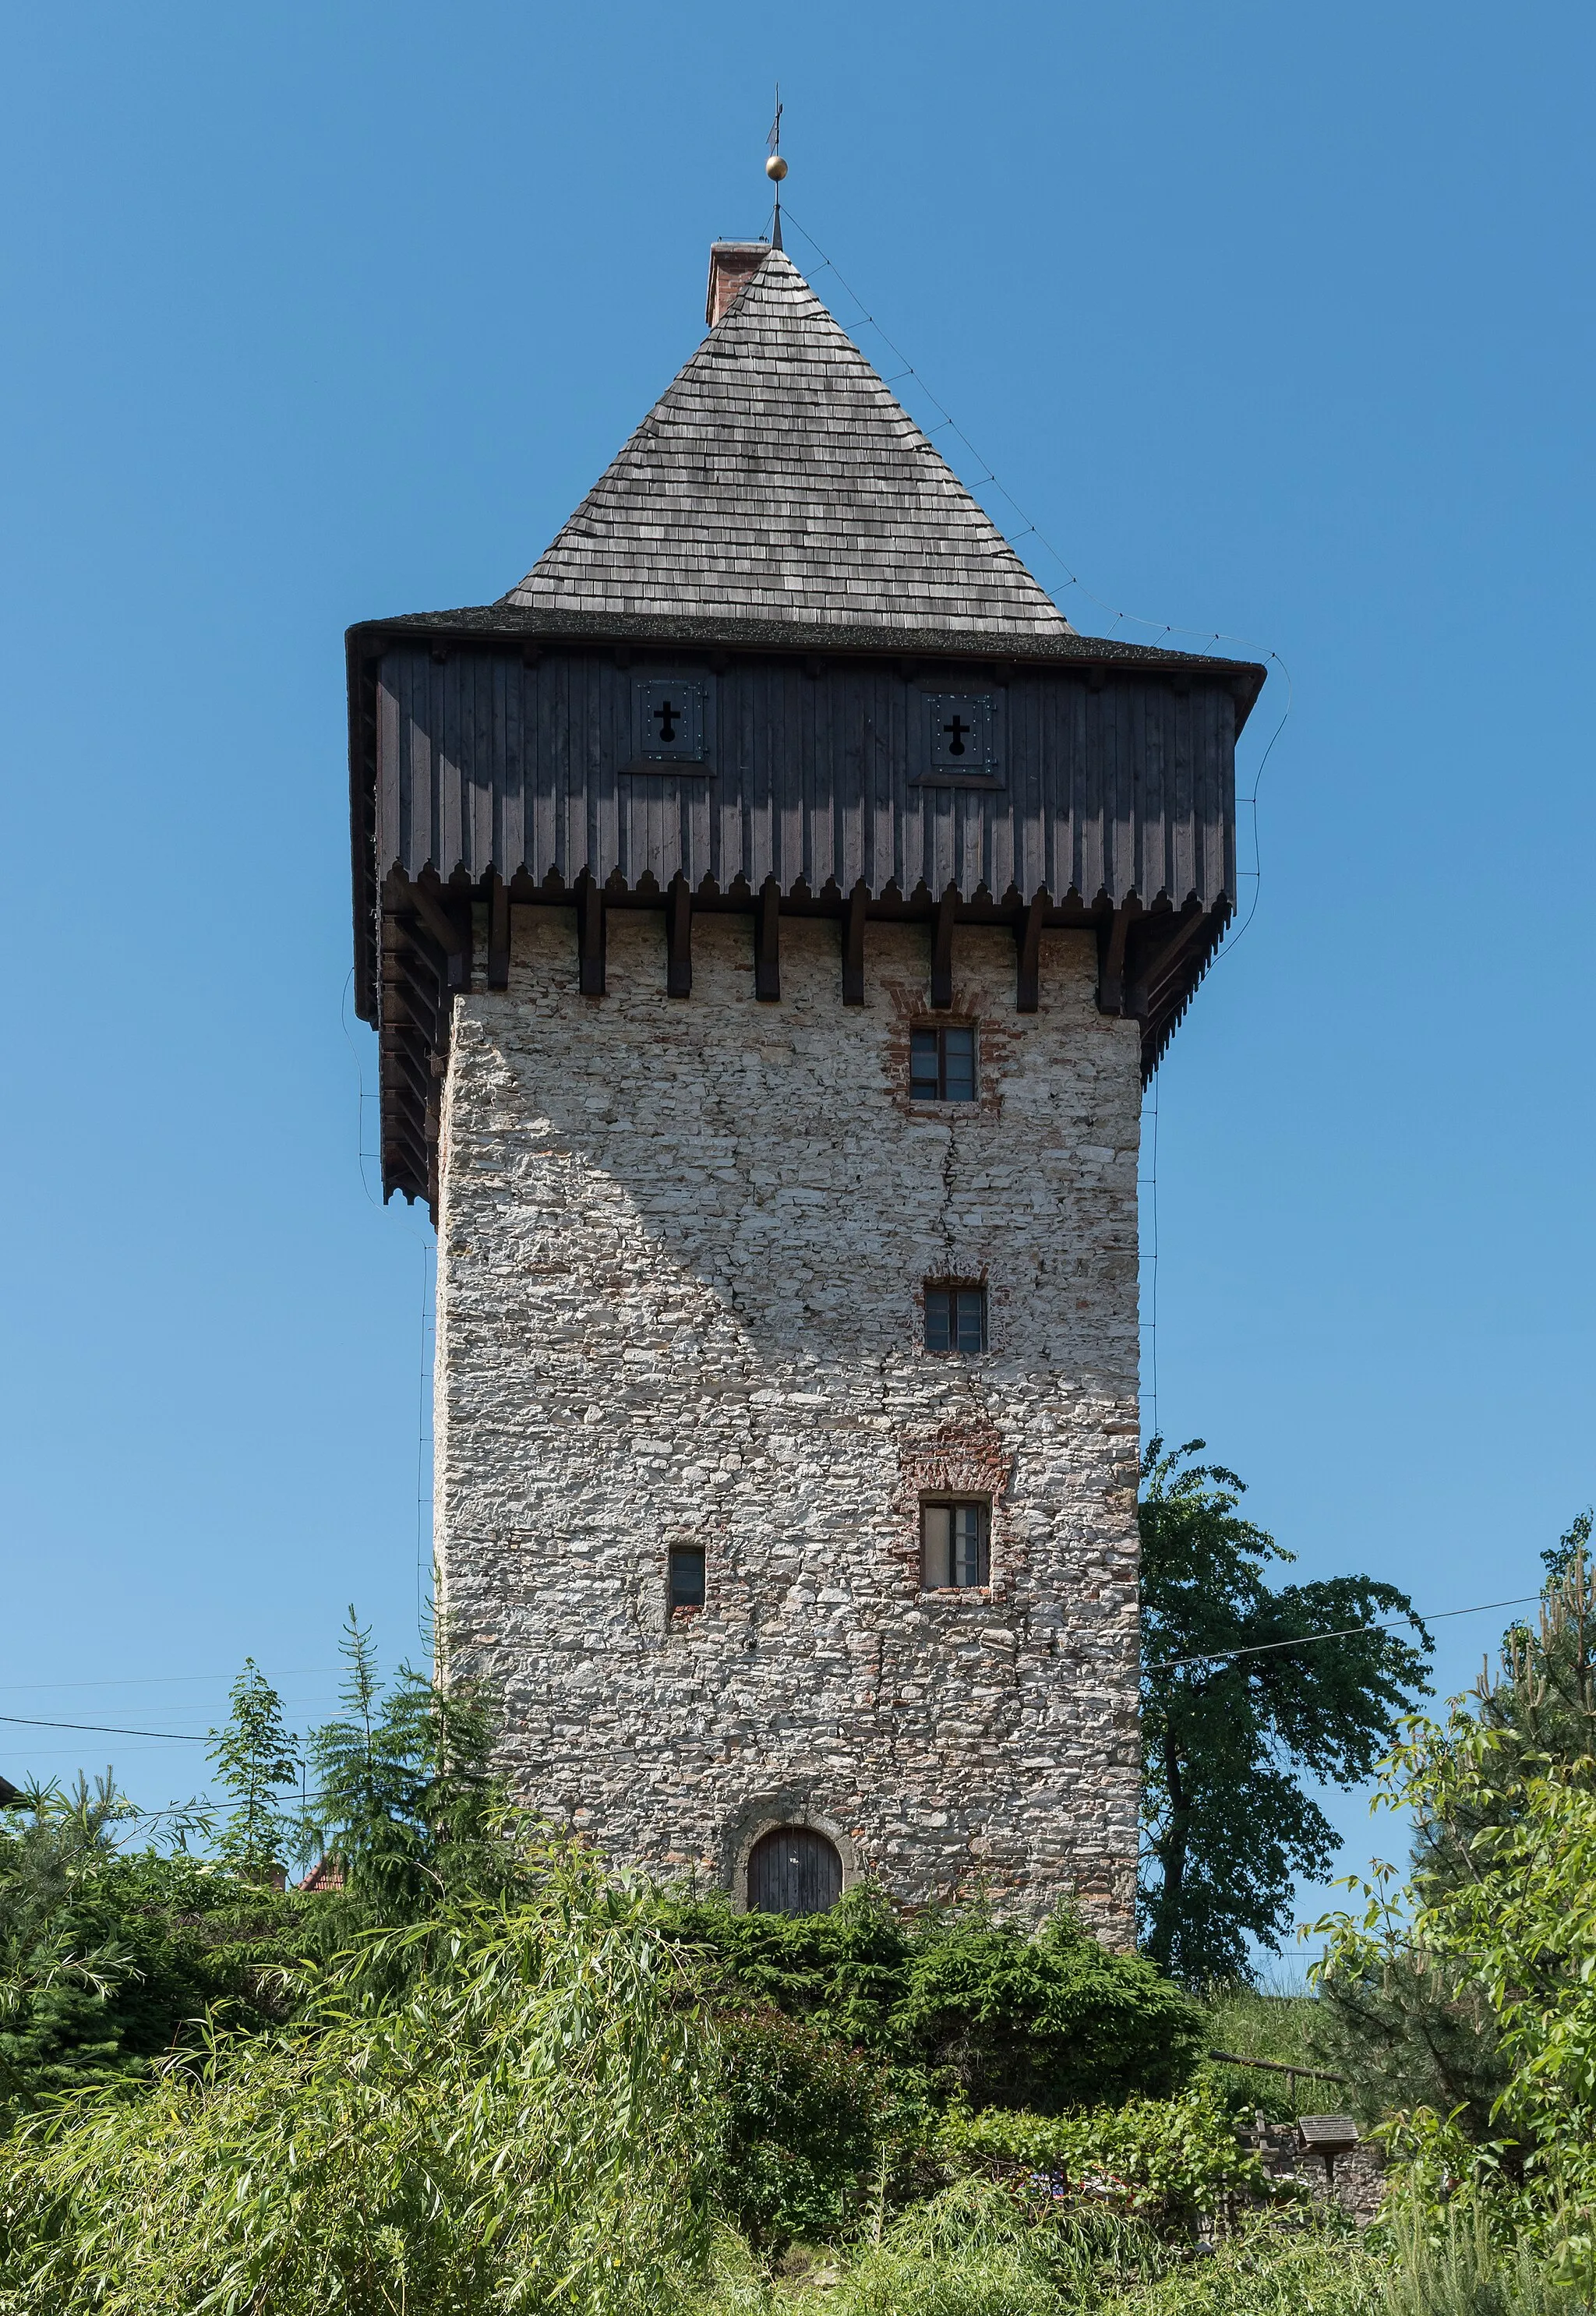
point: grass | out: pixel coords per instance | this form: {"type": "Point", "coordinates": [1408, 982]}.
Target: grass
{"type": "Point", "coordinates": [1257, 2023]}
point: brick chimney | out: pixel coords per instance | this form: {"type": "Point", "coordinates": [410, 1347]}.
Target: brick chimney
{"type": "Point", "coordinates": [733, 265]}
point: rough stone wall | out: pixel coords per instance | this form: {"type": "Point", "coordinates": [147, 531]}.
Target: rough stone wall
{"type": "Point", "coordinates": [682, 1248]}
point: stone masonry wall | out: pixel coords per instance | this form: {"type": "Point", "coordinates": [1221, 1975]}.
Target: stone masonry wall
{"type": "Point", "coordinates": [682, 1247]}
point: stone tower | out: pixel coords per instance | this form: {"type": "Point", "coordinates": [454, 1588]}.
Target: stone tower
{"type": "Point", "coordinates": [770, 911]}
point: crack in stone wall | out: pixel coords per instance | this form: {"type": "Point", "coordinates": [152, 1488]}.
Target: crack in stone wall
{"type": "Point", "coordinates": [683, 1246]}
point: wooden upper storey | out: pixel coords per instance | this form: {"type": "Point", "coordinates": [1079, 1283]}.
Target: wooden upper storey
{"type": "Point", "coordinates": [500, 756]}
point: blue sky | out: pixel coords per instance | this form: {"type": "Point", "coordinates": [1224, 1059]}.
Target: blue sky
{"type": "Point", "coordinates": [1273, 321]}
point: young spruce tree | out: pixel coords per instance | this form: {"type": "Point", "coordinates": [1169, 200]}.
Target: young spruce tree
{"type": "Point", "coordinates": [255, 1757]}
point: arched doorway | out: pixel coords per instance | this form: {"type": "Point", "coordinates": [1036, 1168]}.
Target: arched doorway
{"type": "Point", "coordinates": [793, 1870]}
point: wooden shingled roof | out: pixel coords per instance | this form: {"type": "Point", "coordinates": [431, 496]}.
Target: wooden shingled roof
{"type": "Point", "coordinates": [778, 478]}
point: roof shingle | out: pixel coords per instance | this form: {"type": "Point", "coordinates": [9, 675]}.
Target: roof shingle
{"type": "Point", "coordinates": [778, 478]}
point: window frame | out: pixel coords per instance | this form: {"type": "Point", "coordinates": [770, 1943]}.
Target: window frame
{"type": "Point", "coordinates": [952, 1288]}
{"type": "Point", "coordinates": [948, 1502]}
{"type": "Point", "coordinates": [685, 1552]}
{"type": "Point", "coordinates": [942, 1031]}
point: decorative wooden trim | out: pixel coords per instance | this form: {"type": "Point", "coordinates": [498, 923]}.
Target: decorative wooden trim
{"type": "Point", "coordinates": [1153, 968]}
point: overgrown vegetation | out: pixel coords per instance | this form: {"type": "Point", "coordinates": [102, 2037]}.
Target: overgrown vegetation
{"type": "Point", "coordinates": [471, 2071]}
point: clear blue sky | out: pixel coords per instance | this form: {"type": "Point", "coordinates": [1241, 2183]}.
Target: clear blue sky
{"type": "Point", "coordinates": [1275, 321]}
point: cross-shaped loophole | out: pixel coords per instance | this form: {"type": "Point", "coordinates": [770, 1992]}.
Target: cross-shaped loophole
{"type": "Point", "coordinates": [666, 717]}
{"type": "Point", "coordinates": [956, 732]}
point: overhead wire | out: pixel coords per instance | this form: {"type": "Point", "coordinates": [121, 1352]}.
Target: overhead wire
{"type": "Point", "coordinates": [1311, 1640]}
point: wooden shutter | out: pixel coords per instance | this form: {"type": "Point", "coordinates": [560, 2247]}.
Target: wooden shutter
{"type": "Point", "coordinates": [793, 1871]}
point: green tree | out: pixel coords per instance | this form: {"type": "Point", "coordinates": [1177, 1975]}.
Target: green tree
{"type": "Point", "coordinates": [254, 1757]}
{"type": "Point", "coordinates": [109, 1957]}
{"type": "Point", "coordinates": [1234, 1716]}
{"type": "Point", "coordinates": [1417, 2030]}
{"type": "Point", "coordinates": [406, 1801]}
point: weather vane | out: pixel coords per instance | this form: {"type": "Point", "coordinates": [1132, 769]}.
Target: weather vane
{"type": "Point", "coordinates": [776, 168]}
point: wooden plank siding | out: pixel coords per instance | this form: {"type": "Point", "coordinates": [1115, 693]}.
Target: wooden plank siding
{"type": "Point", "coordinates": [484, 764]}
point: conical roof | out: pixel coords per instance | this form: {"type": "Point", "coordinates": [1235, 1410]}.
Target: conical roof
{"type": "Point", "coordinates": [778, 478]}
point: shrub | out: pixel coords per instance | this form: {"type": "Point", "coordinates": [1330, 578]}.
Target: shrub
{"type": "Point", "coordinates": [1047, 2021]}
{"type": "Point", "coordinates": [1171, 2163]}
{"type": "Point", "coordinates": [798, 2119]}
{"type": "Point", "coordinates": [530, 2124]}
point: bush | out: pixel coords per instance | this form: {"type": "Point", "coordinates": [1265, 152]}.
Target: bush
{"type": "Point", "coordinates": [1009, 2019]}
{"type": "Point", "coordinates": [1173, 2163]}
{"type": "Point", "coordinates": [798, 2121]}
{"type": "Point", "coordinates": [530, 2124]}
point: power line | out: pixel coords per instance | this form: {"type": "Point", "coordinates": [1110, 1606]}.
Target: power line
{"type": "Point", "coordinates": [105, 1728]}
{"type": "Point", "coordinates": [1311, 1640]}
{"type": "Point", "coordinates": [159, 1679]}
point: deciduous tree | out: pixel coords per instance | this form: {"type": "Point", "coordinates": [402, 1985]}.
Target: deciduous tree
{"type": "Point", "coordinates": [1237, 1712]}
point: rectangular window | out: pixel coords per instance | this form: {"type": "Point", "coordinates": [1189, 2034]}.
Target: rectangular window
{"type": "Point", "coordinates": [954, 1548]}
{"type": "Point", "coordinates": [942, 1064]}
{"type": "Point", "coordinates": [956, 1320]}
{"type": "Point", "coordinates": [687, 1576]}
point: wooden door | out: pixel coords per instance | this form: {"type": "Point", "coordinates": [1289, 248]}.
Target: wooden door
{"type": "Point", "coordinates": [793, 1871]}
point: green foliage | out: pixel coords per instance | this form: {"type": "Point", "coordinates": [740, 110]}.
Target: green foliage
{"type": "Point", "coordinates": [1502, 1907]}
{"type": "Point", "coordinates": [1286, 2028]}
{"type": "Point", "coordinates": [1416, 2027]}
{"type": "Point", "coordinates": [1171, 2163]}
{"type": "Point", "coordinates": [1048, 2020]}
{"type": "Point", "coordinates": [254, 1757]}
{"type": "Point", "coordinates": [406, 1801]}
{"type": "Point", "coordinates": [526, 2127]}
{"type": "Point", "coordinates": [1226, 1739]}
{"type": "Point", "coordinates": [1459, 2268]}
{"type": "Point", "coordinates": [977, 2250]}
{"type": "Point", "coordinates": [106, 1959]}
{"type": "Point", "coordinates": [799, 2117]}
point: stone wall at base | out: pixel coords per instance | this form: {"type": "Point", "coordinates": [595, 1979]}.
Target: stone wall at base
{"type": "Point", "coordinates": [683, 1249]}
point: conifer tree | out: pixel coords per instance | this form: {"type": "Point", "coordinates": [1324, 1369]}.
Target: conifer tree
{"type": "Point", "coordinates": [254, 1757]}
{"type": "Point", "coordinates": [405, 1799]}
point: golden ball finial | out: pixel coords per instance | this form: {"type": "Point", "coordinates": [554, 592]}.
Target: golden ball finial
{"type": "Point", "coordinates": [776, 168]}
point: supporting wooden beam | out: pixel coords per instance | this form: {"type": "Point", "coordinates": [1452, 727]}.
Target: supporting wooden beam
{"type": "Point", "coordinates": [767, 943]}
{"type": "Point", "coordinates": [1153, 968]}
{"type": "Point", "coordinates": [590, 937]}
{"type": "Point", "coordinates": [1110, 957]}
{"type": "Point", "coordinates": [498, 933]}
{"type": "Point", "coordinates": [941, 950]}
{"type": "Point", "coordinates": [1028, 961]}
{"type": "Point", "coordinates": [446, 930]}
{"type": "Point", "coordinates": [854, 945]}
{"type": "Point", "coordinates": [678, 939]}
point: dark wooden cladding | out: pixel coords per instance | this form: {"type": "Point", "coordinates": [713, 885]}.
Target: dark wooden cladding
{"type": "Point", "coordinates": [484, 765]}
{"type": "Point", "coordinates": [488, 771]}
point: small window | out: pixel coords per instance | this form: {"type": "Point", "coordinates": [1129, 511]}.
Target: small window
{"type": "Point", "coordinates": [956, 1556]}
{"type": "Point", "coordinates": [956, 1320]}
{"type": "Point", "coordinates": [942, 1064]}
{"type": "Point", "coordinates": [687, 1576]}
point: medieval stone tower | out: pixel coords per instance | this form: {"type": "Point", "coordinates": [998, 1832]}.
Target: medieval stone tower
{"type": "Point", "coordinates": [770, 910]}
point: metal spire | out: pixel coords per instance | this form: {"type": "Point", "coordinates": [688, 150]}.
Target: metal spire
{"type": "Point", "coordinates": [776, 169]}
